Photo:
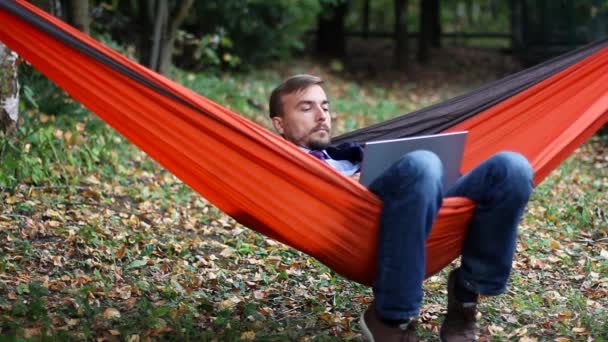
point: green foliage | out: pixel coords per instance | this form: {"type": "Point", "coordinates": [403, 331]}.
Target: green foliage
{"type": "Point", "coordinates": [246, 33]}
{"type": "Point", "coordinates": [38, 92]}
{"type": "Point", "coordinates": [211, 51]}
{"type": "Point", "coordinates": [48, 148]}
{"type": "Point", "coordinates": [42, 153]}
{"type": "Point", "coordinates": [475, 16]}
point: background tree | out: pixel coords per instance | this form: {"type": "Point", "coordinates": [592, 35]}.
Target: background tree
{"type": "Point", "coordinates": [401, 33]}
{"type": "Point", "coordinates": [74, 12]}
{"type": "Point", "coordinates": [9, 90]}
{"type": "Point", "coordinates": [435, 23]}
{"type": "Point", "coordinates": [228, 34]}
{"type": "Point", "coordinates": [161, 19]}
{"type": "Point", "coordinates": [331, 34]}
{"type": "Point", "coordinates": [77, 14]}
{"type": "Point", "coordinates": [429, 28]}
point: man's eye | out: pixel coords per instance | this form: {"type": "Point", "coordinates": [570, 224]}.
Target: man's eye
{"type": "Point", "coordinates": [305, 108]}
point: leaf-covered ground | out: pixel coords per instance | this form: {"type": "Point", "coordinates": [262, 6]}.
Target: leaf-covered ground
{"type": "Point", "coordinates": [97, 242]}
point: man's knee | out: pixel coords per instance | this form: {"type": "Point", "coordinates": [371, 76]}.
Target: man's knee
{"type": "Point", "coordinates": [421, 164]}
{"type": "Point", "coordinates": [516, 164]}
{"type": "Point", "coordinates": [517, 171]}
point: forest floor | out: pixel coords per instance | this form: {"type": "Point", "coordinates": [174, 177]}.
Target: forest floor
{"type": "Point", "coordinates": [98, 242]}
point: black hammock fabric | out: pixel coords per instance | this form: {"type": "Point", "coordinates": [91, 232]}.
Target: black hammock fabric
{"type": "Point", "coordinates": [439, 117]}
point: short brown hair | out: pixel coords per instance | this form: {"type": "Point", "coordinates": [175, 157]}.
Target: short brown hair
{"type": "Point", "coordinates": [290, 85]}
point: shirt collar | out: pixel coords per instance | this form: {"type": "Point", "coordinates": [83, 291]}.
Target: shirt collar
{"type": "Point", "coordinates": [306, 150]}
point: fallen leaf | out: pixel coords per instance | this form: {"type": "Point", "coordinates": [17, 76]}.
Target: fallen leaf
{"type": "Point", "coordinates": [579, 330]}
{"type": "Point", "coordinates": [121, 252]}
{"type": "Point", "coordinates": [133, 338]}
{"type": "Point", "coordinates": [92, 180]}
{"type": "Point", "coordinates": [248, 336]}
{"type": "Point", "coordinates": [259, 295]}
{"type": "Point", "coordinates": [31, 332]}
{"type": "Point", "coordinates": [111, 313]}
{"type": "Point", "coordinates": [229, 303]}
{"type": "Point", "coordinates": [564, 315]}
{"type": "Point", "coordinates": [226, 253]}
{"type": "Point", "coordinates": [136, 264]}
{"type": "Point", "coordinates": [528, 339]}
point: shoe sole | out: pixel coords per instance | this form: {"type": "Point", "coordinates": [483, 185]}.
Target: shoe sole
{"type": "Point", "coordinates": [367, 334]}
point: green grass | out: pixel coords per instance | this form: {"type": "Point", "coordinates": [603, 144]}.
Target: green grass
{"type": "Point", "coordinates": [98, 241]}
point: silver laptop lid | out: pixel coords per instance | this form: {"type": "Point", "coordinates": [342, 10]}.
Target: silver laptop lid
{"type": "Point", "coordinates": [380, 155]}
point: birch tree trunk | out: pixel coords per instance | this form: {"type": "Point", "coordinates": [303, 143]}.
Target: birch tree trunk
{"type": "Point", "coordinates": [9, 90]}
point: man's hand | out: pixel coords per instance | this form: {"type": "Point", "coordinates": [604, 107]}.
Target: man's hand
{"type": "Point", "coordinates": [356, 176]}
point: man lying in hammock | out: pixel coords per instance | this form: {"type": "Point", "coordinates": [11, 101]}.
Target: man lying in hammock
{"type": "Point", "coordinates": [411, 191]}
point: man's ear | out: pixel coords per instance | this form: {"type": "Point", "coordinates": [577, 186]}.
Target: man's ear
{"type": "Point", "coordinates": [277, 122]}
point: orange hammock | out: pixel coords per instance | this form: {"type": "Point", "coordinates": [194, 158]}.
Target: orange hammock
{"type": "Point", "coordinates": [268, 184]}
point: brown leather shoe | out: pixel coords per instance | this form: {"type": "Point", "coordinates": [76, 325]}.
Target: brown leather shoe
{"type": "Point", "coordinates": [374, 330]}
{"type": "Point", "coordinates": [460, 323]}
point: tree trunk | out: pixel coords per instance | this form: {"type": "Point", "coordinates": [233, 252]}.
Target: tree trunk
{"type": "Point", "coordinates": [366, 18]}
{"type": "Point", "coordinates": [9, 90]}
{"type": "Point", "coordinates": [160, 23]}
{"type": "Point", "coordinates": [401, 41]}
{"type": "Point", "coordinates": [79, 15]}
{"type": "Point", "coordinates": [517, 25]}
{"type": "Point", "coordinates": [469, 6]}
{"type": "Point", "coordinates": [425, 31]}
{"type": "Point", "coordinates": [156, 48]}
{"type": "Point", "coordinates": [177, 18]}
{"type": "Point", "coordinates": [435, 13]}
{"type": "Point", "coordinates": [73, 12]}
{"type": "Point", "coordinates": [331, 37]}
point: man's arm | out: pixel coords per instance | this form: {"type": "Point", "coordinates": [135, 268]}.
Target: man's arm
{"type": "Point", "coordinates": [350, 151]}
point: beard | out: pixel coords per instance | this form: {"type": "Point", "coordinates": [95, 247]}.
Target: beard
{"type": "Point", "coordinates": [319, 144]}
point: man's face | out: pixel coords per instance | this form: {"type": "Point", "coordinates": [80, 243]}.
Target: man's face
{"type": "Point", "coordinates": [306, 121]}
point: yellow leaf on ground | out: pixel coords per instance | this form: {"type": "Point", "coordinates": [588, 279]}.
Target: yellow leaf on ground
{"type": "Point", "coordinates": [248, 336]}
{"type": "Point", "coordinates": [564, 315]}
{"type": "Point", "coordinates": [229, 303]}
{"type": "Point", "coordinates": [226, 304]}
{"type": "Point", "coordinates": [111, 313]}
{"type": "Point", "coordinates": [31, 332]}
{"type": "Point", "coordinates": [226, 253]}
{"type": "Point", "coordinates": [92, 180]}
{"type": "Point", "coordinates": [579, 330]}
{"type": "Point", "coordinates": [133, 338]}
{"type": "Point", "coordinates": [72, 322]}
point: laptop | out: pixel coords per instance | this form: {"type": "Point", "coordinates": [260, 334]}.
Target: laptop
{"type": "Point", "coordinates": [380, 155]}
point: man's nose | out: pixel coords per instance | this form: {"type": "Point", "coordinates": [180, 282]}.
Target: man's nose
{"type": "Point", "coordinates": [321, 114]}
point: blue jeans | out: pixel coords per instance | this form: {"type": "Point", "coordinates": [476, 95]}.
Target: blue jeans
{"type": "Point", "coordinates": [412, 193]}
